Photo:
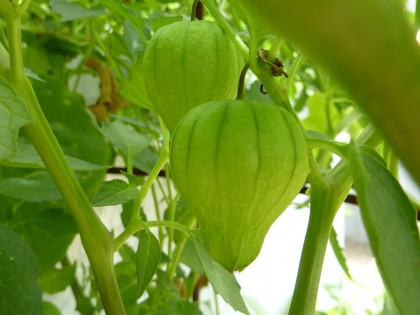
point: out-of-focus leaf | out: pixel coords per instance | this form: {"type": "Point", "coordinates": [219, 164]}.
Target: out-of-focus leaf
{"type": "Point", "coordinates": [132, 40]}
{"type": "Point", "coordinates": [126, 276]}
{"type": "Point", "coordinates": [146, 159]}
{"type": "Point", "coordinates": [223, 282]}
{"type": "Point", "coordinates": [36, 187]}
{"type": "Point", "coordinates": [152, 129]}
{"type": "Point", "coordinates": [148, 258]}
{"type": "Point", "coordinates": [70, 11]}
{"type": "Point", "coordinates": [28, 157]}
{"type": "Point", "coordinates": [19, 291]}
{"type": "Point", "coordinates": [48, 232]}
{"type": "Point", "coordinates": [77, 132]}
{"type": "Point", "coordinates": [190, 259]}
{"type": "Point", "coordinates": [13, 115]}
{"type": "Point", "coordinates": [390, 222]}
{"type": "Point", "coordinates": [174, 306]}
{"type": "Point", "coordinates": [57, 280]}
{"type": "Point", "coordinates": [254, 93]}
{"type": "Point", "coordinates": [371, 48]}
{"type": "Point", "coordinates": [183, 215]}
{"type": "Point", "coordinates": [160, 19]}
{"type": "Point", "coordinates": [36, 59]}
{"type": "Point", "coordinates": [4, 60]}
{"type": "Point", "coordinates": [114, 192]}
{"type": "Point", "coordinates": [50, 309]}
{"type": "Point", "coordinates": [123, 10]}
{"type": "Point", "coordinates": [133, 88]}
{"type": "Point", "coordinates": [323, 115]}
{"type": "Point", "coordinates": [338, 252]}
{"type": "Point", "coordinates": [126, 139]}
{"type": "Point", "coordinates": [170, 300]}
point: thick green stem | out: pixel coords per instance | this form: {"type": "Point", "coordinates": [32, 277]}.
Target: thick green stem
{"type": "Point", "coordinates": [135, 220]}
{"type": "Point", "coordinates": [327, 194]}
{"type": "Point", "coordinates": [323, 204]}
{"type": "Point", "coordinates": [96, 239]}
{"type": "Point", "coordinates": [15, 52]}
{"type": "Point", "coordinates": [277, 93]}
{"type": "Point", "coordinates": [335, 147]}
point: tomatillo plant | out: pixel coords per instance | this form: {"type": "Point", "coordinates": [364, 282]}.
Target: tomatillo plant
{"type": "Point", "coordinates": [195, 134]}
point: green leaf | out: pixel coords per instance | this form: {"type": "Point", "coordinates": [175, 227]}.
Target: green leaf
{"type": "Point", "coordinates": [126, 139]}
{"type": "Point", "coordinates": [133, 88]}
{"type": "Point", "coordinates": [323, 115]}
{"type": "Point", "coordinates": [133, 180]}
{"type": "Point", "coordinates": [70, 11]}
{"type": "Point", "coordinates": [174, 306]}
{"type": "Point", "coordinates": [50, 309]}
{"type": "Point", "coordinates": [160, 19]}
{"type": "Point", "coordinates": [126, 275]}
{"type": "Point", "coordinates": [146, 159]}
{"type": "Point", "coordinates": [57, 280]}
{"type": "Point", "coordinates": [28, 157]}
{"type": "Point", "coordinates": [48, 232]}
{"type": "Point", "coordinates": [13, 115]}
{"type": "Point", "coordinates": [390, 222]}
{"type": "Point", "coordinates": [223, 282]}
{"type": "Point", "coordinates": [355, 41]}
{"type": "Point", "coordinates": [19, 292]}
{"type": "Point", "coordinates": [76, 131]}
{"type": "Point", "coordinates": [254, 93]}
{"type": "Point", "coordinates": [4, 61]}
{"type": "Point", "coordinates": [35, 59]}
{"type": "Point", "coordinates": [170, 301]}
{"type": "Point", "coordinates": [114, 192]}
{"type": "Point", "coordinates": [389, 306]}
{"type": "Point", "coordinates": [148, 258]}
{"type": "Point", "coordinates": [124, 11]}
{"type": "Point", "coordinates": [132, 40]}
{"type": "Point", "coordinates": [190, 259]}
{"type": "Point", "coordinates": [143, 126]}
{"type": "Point", "coordinates": [38, 186]}
{"type": "Point", "coordinates": [338, 252]}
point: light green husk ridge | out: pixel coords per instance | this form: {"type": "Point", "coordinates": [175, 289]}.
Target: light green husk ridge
{"type": "Point", "coordinates": [238, 164]}
{"type": "Point", "coordinates": [187, 64]}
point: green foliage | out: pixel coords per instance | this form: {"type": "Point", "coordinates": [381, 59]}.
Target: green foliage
{"type": "Point", "coordinates": [224, 283]}
{"type": "Point", "coordinates": [371, 33]}
{"type": "Point", "coordinates": [389, 219]}
{"type": "Point", "coordinates": [20, 293]}
{"type": "Point", "coordinates": [114, 192]}
{"type": "Point", "coordinates": [148, 258]}
{"type": "Point", "coordinates": [14, 115]}
{"type": "Point", "coordinates": [57, 280]}
{"type": "Point", "coordinates": [71, 11]}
